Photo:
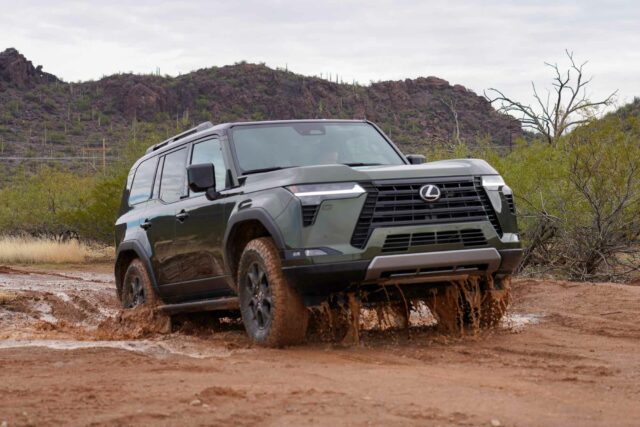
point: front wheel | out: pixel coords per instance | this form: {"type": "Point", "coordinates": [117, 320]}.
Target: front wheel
{"type": "Point", "coordinates": [272, 311]}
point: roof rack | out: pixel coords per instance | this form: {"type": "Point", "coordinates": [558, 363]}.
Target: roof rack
{"type": "Point", "coordinates": [199, 128]}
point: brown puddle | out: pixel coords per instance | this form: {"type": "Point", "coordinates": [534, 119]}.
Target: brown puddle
{"type": "Point", "coordinates": [83, 307]}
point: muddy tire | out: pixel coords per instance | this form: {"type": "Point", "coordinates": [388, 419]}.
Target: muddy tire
{"type": "Point", "coordinates": [137, 289]}
{"type": "Point", "coordinates": [272, 311]}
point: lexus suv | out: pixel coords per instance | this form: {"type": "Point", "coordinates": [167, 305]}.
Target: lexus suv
{"type": "Point", "coordinates": [273, 218]}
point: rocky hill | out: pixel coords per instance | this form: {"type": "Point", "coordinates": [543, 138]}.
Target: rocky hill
{"type": "Point", "coordinates": [42, 115]}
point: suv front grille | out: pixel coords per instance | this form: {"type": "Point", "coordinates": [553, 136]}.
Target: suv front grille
{"type": "Point", "coordinates": [402, 242]}
{"type": "Point", "coordinates": [397, 202]}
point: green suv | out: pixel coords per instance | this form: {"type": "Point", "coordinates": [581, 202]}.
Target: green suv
{"type": "Point", "coordinates": [272, 218]}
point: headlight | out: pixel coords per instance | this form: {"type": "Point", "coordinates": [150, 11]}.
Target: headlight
{"type": "Point", "coordinates": [492, 182]}
{"type": "Point", "coordinates": [314, 194]}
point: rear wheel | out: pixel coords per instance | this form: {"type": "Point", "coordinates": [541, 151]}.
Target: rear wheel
{"type": "Point", "coordinates": [272, 311]}
{"type": "Point", "coordinates": [137, 289]}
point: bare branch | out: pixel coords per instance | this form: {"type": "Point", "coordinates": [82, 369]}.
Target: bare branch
{"type": "Point", "coordinates": [556, 115]}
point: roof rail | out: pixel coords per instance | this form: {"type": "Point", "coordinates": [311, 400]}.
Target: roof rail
{"type": "Point", "coordinates": [199, 128]}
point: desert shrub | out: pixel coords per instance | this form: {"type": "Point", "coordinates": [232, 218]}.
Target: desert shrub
{"type": "Point", "coordinates": [49, 105]}
{"type": "Point", "coordinates": [32, 96]}
{"type": "Point", "coordinates": [82, 104]}
{"type": "Point", "coordinates": [57, 137]}
{"type": "Point", "coordinates": [41, 201]}
{"type": "Point", "coordinates": [96, 219]}
{"type": "Point", "coordinates": [76, 129]}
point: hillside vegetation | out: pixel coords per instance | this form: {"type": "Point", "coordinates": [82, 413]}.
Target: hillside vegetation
{"type": "Point", "coordinates": [42, 115]}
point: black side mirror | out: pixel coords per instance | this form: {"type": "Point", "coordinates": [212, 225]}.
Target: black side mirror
{"type": "Point", "coordinates": [416, 159]}
{"type": "Point", "coordinates": [202, 177]}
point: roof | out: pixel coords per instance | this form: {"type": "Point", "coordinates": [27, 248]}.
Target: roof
{"type": "Point", "coordinates": [225, 126]}
{"type": "Point", "coordinates": [209, 127]}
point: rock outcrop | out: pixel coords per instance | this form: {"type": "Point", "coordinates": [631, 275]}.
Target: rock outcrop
{"type": "Point", "coordinates": [18, 71]}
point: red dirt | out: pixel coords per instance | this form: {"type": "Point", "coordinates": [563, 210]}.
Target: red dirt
{"type": "Point", "coordinates": [576, 363]}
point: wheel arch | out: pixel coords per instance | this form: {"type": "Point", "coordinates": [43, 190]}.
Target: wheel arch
{"type": "Point", "coordinates": [127, 252]}
{"type": "Point", "coordinates": [245, 226]}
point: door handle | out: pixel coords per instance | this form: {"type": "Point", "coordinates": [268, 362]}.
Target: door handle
{"type": "Point", "coordinates": [146, 224]}
{"type": "Point", "coordinates": [182, 215]}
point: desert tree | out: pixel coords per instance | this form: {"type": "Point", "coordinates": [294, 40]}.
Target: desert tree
{"type": "Point", "coordinates": [565, 105]}
{"type": "Point", "coordinates": [451, 106]}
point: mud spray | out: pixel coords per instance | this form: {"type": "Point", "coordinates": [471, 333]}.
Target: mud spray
{"type": "Point", "coordinates": [466, 306]}
{"type": "Point", "coordinates": [461, 307]}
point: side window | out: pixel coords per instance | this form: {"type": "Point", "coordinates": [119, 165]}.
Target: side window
{"type": "Point", "coordinates": [174, 171]}
{"type": "Point", "coordinates": [141, 186]}
{"type": "Point", "coordinates": [210, 152]}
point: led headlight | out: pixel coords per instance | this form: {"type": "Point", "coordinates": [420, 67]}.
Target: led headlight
{"type": "Point", "coordinates": [314, 194]}
{"type": "Point", "coordinates": [492, 182]}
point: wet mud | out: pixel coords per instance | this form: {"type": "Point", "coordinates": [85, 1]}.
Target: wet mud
{"type": "Point", "coordinates": [563, 354]}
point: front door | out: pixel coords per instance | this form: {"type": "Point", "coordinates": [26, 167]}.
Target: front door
{"type": "Point", "coordinates": [200, 230]}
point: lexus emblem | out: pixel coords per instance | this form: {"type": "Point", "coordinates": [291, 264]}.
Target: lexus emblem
{"type": "Point", "coordinates": [429, 193]}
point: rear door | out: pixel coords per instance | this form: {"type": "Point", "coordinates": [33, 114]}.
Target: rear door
{"type": "Point", "coordinates": [169, 189]}
{"type": "Point", "coordinates": [200, 230]}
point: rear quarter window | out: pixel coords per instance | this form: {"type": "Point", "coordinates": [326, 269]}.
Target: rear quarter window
{"type": "Point", "coordinates": [142, 181]}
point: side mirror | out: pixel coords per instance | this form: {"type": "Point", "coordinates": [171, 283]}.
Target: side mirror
{"type": "Point", "coordinates": [202, 177]}
{"type": "Point", "coordinates": [416, 159]}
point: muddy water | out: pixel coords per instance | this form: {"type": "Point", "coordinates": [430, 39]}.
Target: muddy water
{"type": "Point", "coordinates": [72, 310]}
{"type": "Point", "coordinates": [47, 303]}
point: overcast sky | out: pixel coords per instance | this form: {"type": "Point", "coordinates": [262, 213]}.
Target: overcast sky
{"type": "Point", "coordinates": [478, 44]}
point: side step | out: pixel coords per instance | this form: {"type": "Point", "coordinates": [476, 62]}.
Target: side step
{"type": "Point", "coordinates": [226, 303]}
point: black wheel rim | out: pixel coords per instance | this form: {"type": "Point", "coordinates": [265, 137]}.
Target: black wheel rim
{"type": "Point", "coordinates": [135, 292]}
{"type": "Point", "coordinates": [260, 299]}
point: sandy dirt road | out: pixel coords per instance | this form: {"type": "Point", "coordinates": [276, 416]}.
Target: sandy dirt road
{"type": "Point", "coordinates": [568, 355]}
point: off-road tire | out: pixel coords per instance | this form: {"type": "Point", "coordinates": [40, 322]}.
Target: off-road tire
{"type": "Point", "coordinates": [137, 289]}
{"type": "Point", "coordinates": [272, 311]}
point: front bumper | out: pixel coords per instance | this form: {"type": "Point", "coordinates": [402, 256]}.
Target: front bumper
{"type": "Point", "coordinates": [324, 279]}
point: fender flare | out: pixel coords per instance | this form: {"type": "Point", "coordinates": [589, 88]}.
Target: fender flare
{"type": "Point", "coordinates": [135, 246]}
{"type": "Point", "coordinates": [257, 214]}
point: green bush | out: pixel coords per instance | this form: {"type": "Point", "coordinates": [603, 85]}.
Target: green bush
{"type": "Point", "coordinates": [53, 200]}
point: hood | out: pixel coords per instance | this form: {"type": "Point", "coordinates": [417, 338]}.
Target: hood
{"type": "Point", "coordinates": [342, 173]}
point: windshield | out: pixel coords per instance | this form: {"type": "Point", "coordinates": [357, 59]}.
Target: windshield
{"type": "Point", "coordinates": [265, 147]}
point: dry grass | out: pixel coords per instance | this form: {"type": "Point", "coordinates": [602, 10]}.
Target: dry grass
{"type": "Point", "coordinates": [19, 250]}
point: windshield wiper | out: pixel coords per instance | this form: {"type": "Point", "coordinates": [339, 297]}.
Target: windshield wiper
{"type": "Point", "coordinates": [361, 164]}
{"type": "Point", "coordinates": [273, 168]}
